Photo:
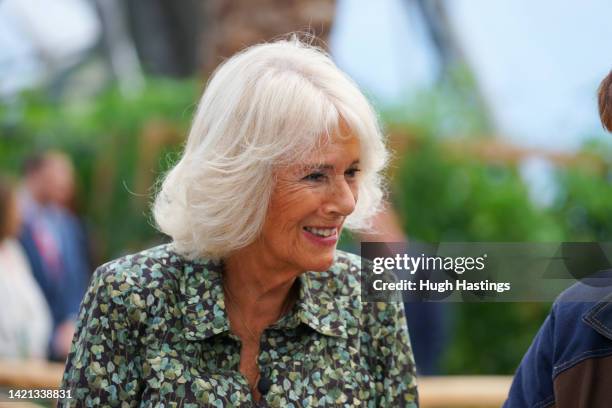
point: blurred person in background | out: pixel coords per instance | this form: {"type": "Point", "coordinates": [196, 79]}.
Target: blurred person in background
{"type": "Point", "coordinates": [54, 242]}
{"type": "Point", "coordinates": [252, 304]}
{"type": "Point", "coordinates": [25, 320]}
{"type": "Point", "coordinates": [569, 363]}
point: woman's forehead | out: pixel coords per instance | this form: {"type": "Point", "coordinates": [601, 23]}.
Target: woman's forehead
{"type": "Point", "coordinates": [336, 146]}
{"type": "Point", "coordinates": [332, 154]}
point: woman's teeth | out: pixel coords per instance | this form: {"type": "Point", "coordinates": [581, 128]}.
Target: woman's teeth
{"type": "Point", "coordinates": [322, 232]}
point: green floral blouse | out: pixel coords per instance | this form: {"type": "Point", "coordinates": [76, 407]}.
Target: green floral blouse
{"type": "Point", "coordinates": [153, 331]}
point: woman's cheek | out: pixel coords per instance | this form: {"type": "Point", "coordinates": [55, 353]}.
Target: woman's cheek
{"type": "Point", "coordinates": [293, 197]}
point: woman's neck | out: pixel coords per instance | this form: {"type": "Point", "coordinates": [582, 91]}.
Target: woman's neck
{"type": "Point", "coordinates": [260, 290]}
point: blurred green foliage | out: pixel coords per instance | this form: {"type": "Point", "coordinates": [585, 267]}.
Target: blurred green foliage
{"type": "Point", "coordinates": [120, 146]}
{"type": "Point", "coordinates": [445, 197]}
{"type": "Point", "coordinates": [584, 202]}
{"type": "Point", "coordinates": [449, 199]}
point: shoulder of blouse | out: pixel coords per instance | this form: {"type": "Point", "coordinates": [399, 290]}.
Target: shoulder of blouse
{"type": "Point", "coordinates": [145, 267]}
{"type": "Point", "coordinates": [136, 284]}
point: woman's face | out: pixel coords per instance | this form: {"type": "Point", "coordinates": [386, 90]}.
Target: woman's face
{"type": "Point", "coordinates": [309, 205]}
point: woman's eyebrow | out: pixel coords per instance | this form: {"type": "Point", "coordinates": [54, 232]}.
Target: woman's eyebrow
{"type": "Point", "coordinates": [326, 166]}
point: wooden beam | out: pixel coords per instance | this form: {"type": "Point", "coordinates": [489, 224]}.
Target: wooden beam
{"type": "Point", "coordinates": [492, 149]}
{"type": "Point", "coordinates": [463, 391]}
{"type": "Point", "coordinates": [30, 374]}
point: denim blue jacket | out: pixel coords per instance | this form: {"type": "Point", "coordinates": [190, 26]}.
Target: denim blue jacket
{"type": "Point", "coordinates": [569, 363]}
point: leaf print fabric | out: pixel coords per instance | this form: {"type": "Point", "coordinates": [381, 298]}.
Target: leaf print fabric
{"type": "Point", "coordinates": [153, 331]}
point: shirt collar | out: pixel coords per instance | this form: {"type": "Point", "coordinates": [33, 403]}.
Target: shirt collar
{"type": "Point", "coordinates": [599, 317]}
{"type": "Point", "coordinates": [318, 307]}
{"type": "Point", "coordinates": [203, 302]}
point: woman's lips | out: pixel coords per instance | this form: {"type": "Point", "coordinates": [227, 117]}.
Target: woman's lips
{"type": "Point", "coordinates": [321, 240]}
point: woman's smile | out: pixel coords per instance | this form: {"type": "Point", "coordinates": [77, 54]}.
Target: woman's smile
{"type": "Point", "coordinates": [324, 236]}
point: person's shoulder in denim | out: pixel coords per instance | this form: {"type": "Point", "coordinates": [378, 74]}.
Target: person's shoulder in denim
{"type": "Point", "coordinates": [569, 363]}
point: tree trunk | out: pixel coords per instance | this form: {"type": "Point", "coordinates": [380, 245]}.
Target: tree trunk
{"type": "Point", "coordinates": [235, 24]}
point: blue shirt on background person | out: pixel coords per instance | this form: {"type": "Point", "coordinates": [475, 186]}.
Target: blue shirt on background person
{"type": "Point", "coordinates": [55, 247]}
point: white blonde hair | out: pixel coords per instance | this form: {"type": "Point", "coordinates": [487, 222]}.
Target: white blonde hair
{"type": "Point", "coordinates": [267, 106]}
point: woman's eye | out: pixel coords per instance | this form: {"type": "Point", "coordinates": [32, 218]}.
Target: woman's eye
{"type": "Point", "coordinates": [316, 176]}
{"type": "Point", "coordinates": [352, 173]}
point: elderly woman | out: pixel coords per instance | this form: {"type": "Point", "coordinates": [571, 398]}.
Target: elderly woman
{"type": "Point", "coordinates": [251, 303]}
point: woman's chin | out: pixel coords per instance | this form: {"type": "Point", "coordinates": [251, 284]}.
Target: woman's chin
{"type": "Point", "coordinates": [322, 264]}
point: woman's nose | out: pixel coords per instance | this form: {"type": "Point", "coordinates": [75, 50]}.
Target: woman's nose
{"type": "Point", "coordinates": [341, 198]}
